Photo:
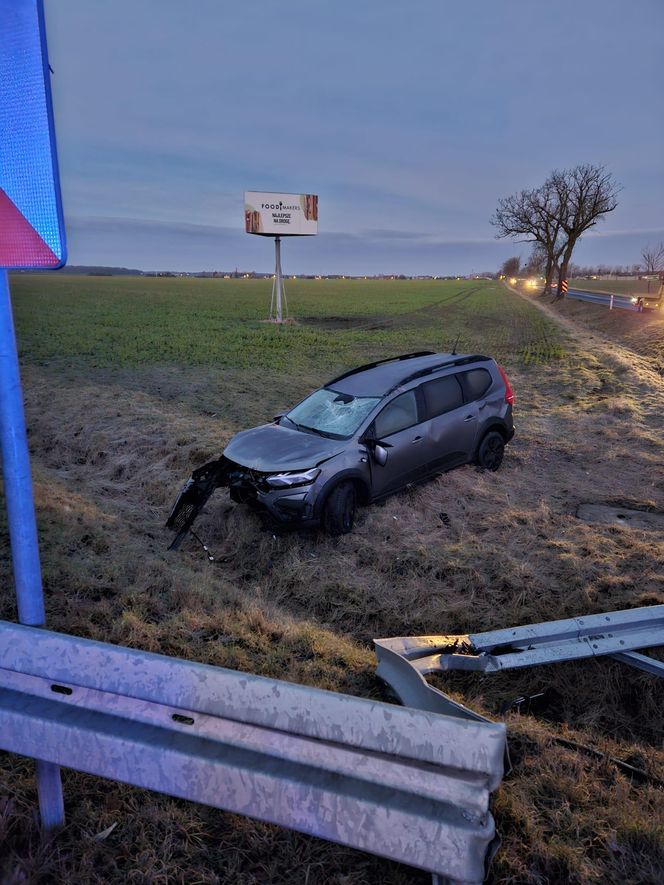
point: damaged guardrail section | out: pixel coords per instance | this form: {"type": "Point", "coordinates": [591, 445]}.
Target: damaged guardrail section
{"type": "Point", "coordinates": [404, 661]}
{"type": "Point", "coordinates": [400, 783]}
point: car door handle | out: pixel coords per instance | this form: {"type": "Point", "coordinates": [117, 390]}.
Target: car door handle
{"type": "Point", "coordinates": [416, 440]}
{"type": "Point", "coordinates": [469, 418]}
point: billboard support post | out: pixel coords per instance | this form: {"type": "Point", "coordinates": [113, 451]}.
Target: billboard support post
{"type": "Point", "coordinates": [278, 305]}
{"type": "Point", "coordinates": [22, 524]}
{"type": "Point", "coordinates": [280, 215]}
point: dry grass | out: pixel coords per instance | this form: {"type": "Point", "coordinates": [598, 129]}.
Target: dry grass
{"type": "Point", "coordinates": [568, 818]}
{"type": "Point", "coordinates": [642, 333]}
{"type": "Point", "coordinates": [110, 450]}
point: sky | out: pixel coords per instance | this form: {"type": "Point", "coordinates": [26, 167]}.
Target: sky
{"type": "Point", "coordinates": [409, 119]}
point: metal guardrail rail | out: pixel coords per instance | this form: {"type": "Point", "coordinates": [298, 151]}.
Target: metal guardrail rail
{"type": "Point", "coordinates": [396, 782]}
{"type": "Point", "coordinates": [623, 302]}
{"type": "Point", "coordinates": [405, 661]}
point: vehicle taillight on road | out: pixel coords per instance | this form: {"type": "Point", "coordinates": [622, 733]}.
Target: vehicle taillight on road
{"type": "Point", "coordinates": [509, 393]}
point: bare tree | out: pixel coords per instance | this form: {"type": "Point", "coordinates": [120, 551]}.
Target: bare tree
{"type": "Point", "coordinates": [558, 213]}
{"type": "Point", "coordinates": [511, 267]}
{"type": "Point", "coordinates": [532, 216]}
{"type": "Point", "coordinates": [653, 258]}
{"type": "Point", "coordinates": [537, 260]}
{"type": "Point", "coordinates": [584, 195]}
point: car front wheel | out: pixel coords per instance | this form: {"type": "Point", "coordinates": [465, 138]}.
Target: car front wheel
{"type": "Point", "coordinates": [339, 510]}
{"type": "Point", "coordinates": [491, 451]}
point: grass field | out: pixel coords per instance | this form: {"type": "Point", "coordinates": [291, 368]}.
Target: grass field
{"type": "Point", "coordinates": [618, 286]}
{"type": "Point", "coordinates": [131, 383]}
{"type": "Point", "coordinates": [132, 322]}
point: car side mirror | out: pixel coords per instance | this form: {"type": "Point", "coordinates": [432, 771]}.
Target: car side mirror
{"type": "Point", "coordinates": [377, 449]}
{"type": "Point", "coordinates": [380, 455]}
{"type": "Point", "coordinates": [278, 417]}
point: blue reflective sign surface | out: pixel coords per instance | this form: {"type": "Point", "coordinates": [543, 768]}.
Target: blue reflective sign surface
{"type": "Point", "coordinates": [31, 222]}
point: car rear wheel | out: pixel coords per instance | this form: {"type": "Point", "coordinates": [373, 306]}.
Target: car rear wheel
{"type": "Point", "coordinates": [339, 510]}
{"type": "Point", "coordinates": [491, 451]}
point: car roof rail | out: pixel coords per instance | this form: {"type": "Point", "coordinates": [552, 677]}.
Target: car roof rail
{"type": "Point", "coordinates": [457, 361]}
{"type": "Point", "coordinates": [389, 359]}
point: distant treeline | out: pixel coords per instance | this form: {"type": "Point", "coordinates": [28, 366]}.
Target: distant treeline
{"type": "Point", "coordinates": [101, 271]}
{"type": "Point", "coordinates": [93, 271]}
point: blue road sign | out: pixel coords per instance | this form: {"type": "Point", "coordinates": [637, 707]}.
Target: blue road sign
{"type": "Point", "coordinates": [31, 223]}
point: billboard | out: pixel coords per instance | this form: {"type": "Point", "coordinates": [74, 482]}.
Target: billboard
{"type": "Point", "coordinates": [284, 215]}
{"type": "Point", "coordinates": [31, 224]}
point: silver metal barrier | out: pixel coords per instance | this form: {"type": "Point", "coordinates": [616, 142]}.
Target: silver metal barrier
{"type": "Point", "coordinates": [404, 661]}
{"type": "Point", "coordinates": [396, 782]}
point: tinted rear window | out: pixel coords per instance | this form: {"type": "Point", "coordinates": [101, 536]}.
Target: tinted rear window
{"type": "Point", "coordinates": [476, 383]}
{"type": "Point", "coordinates": [442, 395]}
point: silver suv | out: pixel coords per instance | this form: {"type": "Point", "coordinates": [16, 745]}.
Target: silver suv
{"type": "Point", "coordinates": [365, 435]}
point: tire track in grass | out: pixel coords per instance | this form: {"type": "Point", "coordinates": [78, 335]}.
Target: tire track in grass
{"type": "Point", "coordinates": [391, 321]}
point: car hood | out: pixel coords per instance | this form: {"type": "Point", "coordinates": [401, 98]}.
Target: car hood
{"type": "Point", "coordinates": [273, 448]}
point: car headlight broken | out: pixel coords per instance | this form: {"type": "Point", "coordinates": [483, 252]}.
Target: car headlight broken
{"type": "Point", "coordinates": [288, 480]}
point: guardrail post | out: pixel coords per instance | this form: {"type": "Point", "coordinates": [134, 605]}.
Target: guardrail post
{"type": "Point", "coordinates": [611, 303]}
{"type": "Point", "coordinates": [22, 523]}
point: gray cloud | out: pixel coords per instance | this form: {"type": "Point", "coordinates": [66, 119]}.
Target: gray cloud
{"type": "Point", "coordinates": [381, 234]}
{"type": "Point", "coordinates": [155, 245]}
{"type": "Point", "coordinates": [433, 114]}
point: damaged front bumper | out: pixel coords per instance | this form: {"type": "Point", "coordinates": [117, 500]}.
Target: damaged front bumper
{"type": "Point", "coordinates": [294, 505]}
{"type": "Point", "coordinates": [194, 496]}
{"type": "Point", "coordinates": [286, 506]}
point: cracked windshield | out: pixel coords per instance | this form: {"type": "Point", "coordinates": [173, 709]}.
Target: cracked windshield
{"type": "Point", "coordinates": [330, 413]}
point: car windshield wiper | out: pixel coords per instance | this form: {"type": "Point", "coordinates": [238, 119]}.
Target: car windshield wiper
{"type": "Point", "coordinates": [329, 435]}
{"type": "Point", "coordinates": [290, 421]}
{"type": "Point", "coordinates": [315, 430]}
{"type": "Point", "coordinates": [318, 432]}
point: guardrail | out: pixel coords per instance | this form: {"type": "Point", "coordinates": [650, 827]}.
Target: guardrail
{"type": "Point", "coordinates": [396, 782]}
{"type": "Point", "coordinates": [405, 661]}
{"type": "Point", "coordinates": [612, 300]}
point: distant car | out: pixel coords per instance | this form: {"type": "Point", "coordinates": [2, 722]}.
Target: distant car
{"type": "Point", "coordinates": [648, 302]}
{"type": "Point", "coordinates": [363, 436]}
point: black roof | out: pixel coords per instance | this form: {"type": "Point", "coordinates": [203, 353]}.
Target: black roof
{"type": "Point", "coordinates": [384, 376]}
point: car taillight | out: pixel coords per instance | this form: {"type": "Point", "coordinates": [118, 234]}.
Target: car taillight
{"type": "Point", "coordinates": [509, 393]}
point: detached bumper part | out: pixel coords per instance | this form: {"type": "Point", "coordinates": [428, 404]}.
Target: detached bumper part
{"type": "Point", "coordinates": [194, 496]}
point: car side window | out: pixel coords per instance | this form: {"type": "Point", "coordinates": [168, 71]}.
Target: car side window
{"type": "Point", "coordinates": [397, 415]}
{"type": "Point", "coordinates": [476, 382]}
{"type": "Point", "coordinates": [442, 395]}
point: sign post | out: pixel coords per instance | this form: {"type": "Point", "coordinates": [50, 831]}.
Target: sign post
{"type": "Point", "coordinates": [31, 237]}
{"type": "Point", "coordinates": [279, 302]}
{"type": "Point", "coordinates": [280, 215]}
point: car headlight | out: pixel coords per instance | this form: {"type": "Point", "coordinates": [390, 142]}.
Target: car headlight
{"type": "Point", "coordinates": [633, 300]}
{"type": "Point", "coordinates": [288, 480]}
